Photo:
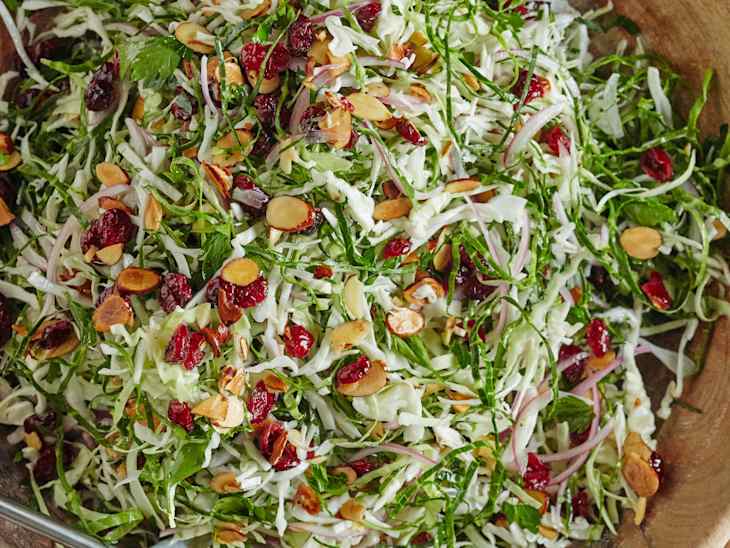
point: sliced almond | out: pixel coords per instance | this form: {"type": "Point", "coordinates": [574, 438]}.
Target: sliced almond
{"type": "Point", "coordinates": [388, 210]}
{"type": "Point", "coordinates": [336, 127]}
{"type": "Point", "coordinates": [214, 408]}
{"type": "Point", "coordinates": [274, 383]}
{"type": "Point", "coordinates": [594, 363]}
{"type": "Point", "coordinates": [458, 407]}
{"type": "Point", "coordinates": [542, 497]}
{"type": "Point", "coordinates": [229, 313]}
{"type": "Point", "coordinates": [267, 85]}
{"type": "Point", "coordinates": [375, 379]}
{"type": "Point", "coordinates": [6, 144]}
{"type": "Point", "coordinates": [153, 214]}
{"type": "Point", "coordinates": [484, 197]}
{"type": "Point", "coordinates": [442, 258]}
{"type": "Point", "coordinates": [138, 109]}
{"type": "Point", "coordinates": [234, 414]}
{"type": "Point", "coordinates": [348, 334]}
{"type": "Point", "coordinates": [11, 161]}
{"type": "Point", "coordinates": [640, 511]}
{"type": "Point", "coordinates": [462, 185]}
{"type": "Point", "coordinates": [379, 89]}
{"type": "Point", "coordinates": [114, 310]}
{"type": "Point", "coordinates": [232, 380]}
{"type": "Point", "coordinates": [641, 242]}
{"type": "Point", "coordinates": [229, 534]}
{"type": "Point", "coordinates": [405, 322]}
{"type": "Point", "coordinates": [225, 483]}
{"type": "Point", "coordinates": [241, 272]}
{"type": "Point", "coordinates": [277, 449]}
{"type": "Point", "coordinates": [232, 148]}
{"type": "Point", "coordinates": [33, 440]}
{"type": "Point", "coordinates": [64, 347]}
{"type": "Point", "coordinates": [194, 36]}
{"type": "Point", "coordinates": [90, 254]}
{"type": "Point", "coordinates": [107, 202]}
{"type": "Point", "coordinates": [111, 174]}
{"type": "Point", "coordinates": [352, 511]}
{"type": "Point", "coordinates": [417, 39]}
{"type": "Point", "coordinates": [262, 8]}
{"type": "Point", "coordinates": [289, 214]}
{"type": "Point", "coordinates": [307, 499]}
{"type": "Point", "coordinates": [420, 92]}
{"type": "Point", "coordinates": [639, 474]}
{"type": "Point", "coordinates": [424, 61]}
{"type": "Point", "coordinates": [720, 230]}
{"type": "Point", "coordinates": [426, 290]}
{"type": "Point", "coordinates": [349, 473]}
{"type": "Point", "coordinates": [110, 255]}
{"type": "Point", "coordinates": [388, 124]}
{"type": "Point", "coordinates": [547, 532]}
{"type": "Point", "coordinates": [138, 281]}
{"type": "Point", "coordinates": [191, 153]}
{"type": "Point", "coordinates": [220, 177]}
{"type": "Point", "coordinates": [633, 444]}
{"type": "Point", "coordinates": [232, 74]}
{"type": "Point", "coordinates": [368, 107]}
{"type": "Point", "coordinates": [353, 297]}
{"type": "Point", "coordinates": [6, 216]}
{"type": "Point", "coordinates": [471, 81]}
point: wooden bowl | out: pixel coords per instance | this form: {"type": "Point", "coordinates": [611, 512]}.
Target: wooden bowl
{"type": "Point", "coordinates": [693, 507]}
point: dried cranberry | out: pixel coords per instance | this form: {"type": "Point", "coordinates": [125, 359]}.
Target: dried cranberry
{"type": "Point", "coordinates": [409, 132]}
{"type": "Point", "coordinates": [657, 463]}
{"type": "Point", "coordinates": [354, 371]}
{"type": "Point", "coordinates": [657, 164]}
{"type": "Point", "coordinates": [55, 334]}
{"type": "Point", "coordinates": [195, 352]}
{"type": "Point", "coordinates": [598, 337]}
{"type": "Point", "coordinates": [599, 278]}
{"type": "Point", "coordinates": [297, 341]}
{"type": "Point", "coordinates": [322, 271]}
{"type": "Point", "coordinates": [216, 337]}
{"type": "Point", "coordinates": [179, 412]}
{"type": "Point", "coordinates": [318, 220]}
{"type": "Point", "coordinates": [177, 348]}
{"type": "Point", "coordinates": [311, 117]}
{"type": "Point", "coordinates": [301, 36]}
{"type": "Point", "coordinates": [44, 469]}
{"type": "Point", "coordinates": [113, 227]}
{"type": "Point", "coordinates": [537, 87]}
{"type": "Point", "coordinates": [263, 144]}
{"type": "Point", "coordinates": [288, 459]}
{"type": "Point", "coordinates": [572, 373]}
{"type": "Point", "coordinates": [253, 55]}
{"type": "Point", "coordinates": [424, 537]}
{"type": "Point", "coordinates": [51, 48]}
{"type": "Point", "coordinates": [656, 291]}
{"type": "Point", "coordinates": [175, 291]}
{"type": "Point", "coordinates": [211, 291]}
{"type": "Point", "coordinates": [578, 438]}
{"type": "Point", "coordinates": [581, 504]}
{"type": "Point", "coordinates": [101, 91]}
{"type": "Point", "coordinates": [251, 294]}
{"type": "Point", "coordinates": [265, 106]}
{"type": "Point", "coordinates": [537, 474]}
{"type": "Point", "coordinates": [253, 200]}
{"type": "Point", "coordinates": [184, 106]}
{"type": "Point", "coordinates": [476, 290]}
{"type": "Point", "coordinates": [396, 248]}
{"type": "Point", "coordinates": [363, 466]}
{"type": "Point", "coordinates": [368, 15]}
{"type": "Point", "coordinates": [260, 403]}
{"type": "Point", "coordinates": [555, 139]}
{"type": "Point", "coordinates": [267, 435]}
{"type": "Point", "coordinates": [40, 424]}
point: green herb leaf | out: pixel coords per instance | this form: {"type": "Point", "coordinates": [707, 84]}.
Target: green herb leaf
{"type": "Point", "coordinates": [650, 213]}
{"type": "Point", "coordinates": [188, 461]}
{"type": "Point", "coordinates": [577, 413]}
{"type": "Point", "coordinates": [523, 515]}
{"type": "Point", "coordinates": [157, 60]}
{"type": "Point", "coordinates": [216, 249]}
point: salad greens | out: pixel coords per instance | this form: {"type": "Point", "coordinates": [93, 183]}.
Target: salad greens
{"type": "Point", "coordinates": [346, 274]}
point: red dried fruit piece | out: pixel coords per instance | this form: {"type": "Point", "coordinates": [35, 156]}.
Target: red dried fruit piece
{"type": "Point", "coordinates": [409, 132]}
{"type": "Point", "coordinates": [195, 352]}
{"type": "Point", "coordinates": [600, 279]}
{"type": "Point", "coordinates": [396, 247]}
{"type": "Point", "coordinates": [40, 424]}
{"type": "Point", "coordinates": [537, 474]}
{"type": "Point", "coordinates": [598, 337]}
{"type": "Point", "coordinates": [260, 403]}
{"type": "Point", "coordinates": [184, 106]}
{"type": "Point", "coordinates": [267, 435]}
{"type": "Point", "coordinates": [44, 469]}
{"type": "Point", "coordinates": [322, 271]}
{"type": "Point", "coordinates": [577, 438]}
{"type": "Point", "coordinates": [288, 459]}
{"type": "Point", "coordinates": [113, 227]}
{"type": "Point", "coordinates": [354, 371]}
{"type": "Point", "coordinates": [254, 200]}
{"type": "Point", "coordinates": [211, 291]}
{"type": "Point", "coordinates": [265, 106]}
{"type": "Point", "coordinates": [177, 348]}
{"type": "Point", "coordinates": [354, 137]}
{"type": "Point", "coordinates": [574, 372]}
{"type": "Point", "coordinates": [175, 291]}
{"type": "Point", "coordinates": [55, 334]}
{"type": "Point", "coordinates": [474, 289]}
{"type": "Point", "coordinates": [537, 88]}
{"type": "Point", "coordinates": [253, 55]}
{"type": "Point", "coordinates": [252, 294]}
{"type": "Point", "coordinates": [216, 337]}
{"type": "Point", "coordinates": [581, 504]}
{"type": "Point", "coordinates": [363, 466]}
{"type": "Point", "coordinates": [263, 144]}
{"type": "Point", "coordinates": [301, 36]}
{"type": "Point", "coordinates": [368, 15]}
{"type": "Point", "coordinates": [180, 413]}
{"type": "Point", "coordinates": [311, 117]}
{"type": "Point", "coordinates": [297, 341]}
{"type": "Point", "coordinates": [656, 291]}
{"type": "Point", "coordinates": [51, 48]}
{"type": "Point", "coordinates": [101, 92]}
{"type": "Point", "coordinates": [657, 164]}
{"type": "Point", "coordinates": [555, 139]}
{"type": "Point", "coordinates": [424, 537]}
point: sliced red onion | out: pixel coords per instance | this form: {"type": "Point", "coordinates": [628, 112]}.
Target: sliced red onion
{"type": "Point", "coordinates": [250, 197]}
{"type": "Point", "coordinates": [204, 84]}
{"type": "Point", "coordinates": [300, 106]}
{"type": "Point", "coordinates": [297, 63]}
{"type": "Point", "coordinates": [384, 157]}
{"type": "Point", "coordinates": [531, 128]}
{"type": "Point", "coordinates": [594, 379]}
{"type": "Point", "coordinates": [584, 449]}
{"type": "Point", "coordinates": [394, 448]}
{"type": "Point", "coordinates": [323, 76]}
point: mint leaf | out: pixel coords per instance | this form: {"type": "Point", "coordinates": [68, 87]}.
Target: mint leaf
{"type": "Point", "coordinates": [216, 249]}
{"type": "Point", "coordinates": [577, 413]}
{"type": "Point", "coordinates": [650, 213]}
{"type": "Point", "coordinates": [523, 515]}
{"type": "Point", "coordinates": [157, 60]}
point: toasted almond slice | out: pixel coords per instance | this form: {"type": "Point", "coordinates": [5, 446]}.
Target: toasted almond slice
{"type": "Point", "coordinates": [641, 242]}
{"type": "Point", "coordinates": [336, 126]}
{"type": "Point", "coordinates": [471, 81]}
{"type": "Point", "coordinates": [138, 109]}
{"type": "Point", "coordinates": [231, 70]}
{"type": "Point", "coordinates": [307, 499]}
{"type": "Point", "coordinates": [6, 216]}
{"type": "Point", "coordinates": [114, 310]}
{"type": "Point", "coordinates": [405, 322]}
{"type": "Point", "coordinates": [12, 160]}
{"type": "Point", "coordinates": [90, 254]}
{"type": "Point", "coordinates": [318, 51]}
{"type": "Point", "coordinates": [388, 210]}
{"type": "Point", "coordinates": [194, 36]}
{"type": "Point", "coordinates": [388, 124]}
{"type": "Point", "coordinates": [424, 61]}
{"type": "Point", "coordinates": [232, 380]}
{"type": "Point", "coordinates": [368, 107]}
{"type": "Point", "coordinates": [375, 379]}
{"type": "Point", "coordinates": [111, 174]}
{"type": "Point", "coordinates": [262, 8]}
{"type": "Point", "coordinates": [191, 153]}
{"type": "Point", "coordinates": [33, 440]}
{"type": "Point", "coordinates": [110, 255]}
{"type": "Point", "coordinates": [274, 383]}
{"type": "Point", "coordinates": [462, 185]}
{"type": "Point", "coordinates": [289, 214]}
{"type": "Point", "coordinates": [426, 290]}
{"type": "Point", "coordinates": [107, 202]}
{"type": "Point", "coordinates": [720, 230]}
{"type": "Point", "coordinates": [353, 297]}
{"type": "Point", "coordinates": [547, 532]}
{"type": "Point", "coordinates": [234, 414]}
{"type": "Point", "coordinates": [352, 510]}
{"type": "Point", "coordinates": [224, 483]}
{"type": "Point", "coordinates": [221, 178]}
{"type": "Point", "coordinates": [640, 511]}
{"type": "Point", "coordinates": [639, 474]}
{"type": "Point", "coordinates": [267, 85]}
{"type": "Point", "coordinates": [153, 214]}
{"type": "Point", "coordinates": [229, 534]}
{"type": "Point", "coordinates": [542, 497]}
{"type": "Point", "coordinates": [349, 473]}
{"type": "Point", "coordinates": [458, 407]}
{"type": "Point", "coordinates": [442, 258]}
{"type": "Point", "coordinates": [633, 444]}
{"type": "Point", "coordinates": [233, 148]}
{"type": "Point", "coordinates": [214, 408]}
{"type": "Point", "coordinates": [594, 363]}
{"type": "Point", "coordinates": [420, 92]}
{"type": "Point", "coordinates": [379, 89]}
{"type": "Point", "coordinates": [451, 324]}
{"type": "Point", "coordinates": [348, 334]}
{"type": "Point", "coordinates": [241, 271]}
{"type": "Point", "coordinates": [138, 281]}
{"type": "Point", "coordinates": [62, 348]}
{"type": "Point", "coordinates": [229, 313]}
{"type": "Point", "coordinates": [278, 448]}
{"type": "Point", "coordinates": [486, 453]}
{"type": "Point", "coordinates": [418, 39]}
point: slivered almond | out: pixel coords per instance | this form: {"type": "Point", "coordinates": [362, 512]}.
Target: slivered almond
{"type": "Point", "coordinates": [720, 230]}
{"type": "Point", "coordinates": [262, 8]}
{"type": "Point", "coordinates": [224, 483]}
{"type": "Point", "coordinates": [194, 36]}
{"type": "Point", "coordinates": [110, 255]}
{"type": "Point", "coordinates": [348, 334]}
{"type": "Point", "coordinates": [349, 473]}
{"type": "Point", "coordinates": [229, 534]}
{"type": "Point", "coordinates": [442, 258]}
{"type": "Point", "coordinates": [424, 291]}
{"type": "Point", "coordinates": [484, 197]}
{"type": "Point", "coordinates": [471, 81]}
{"type": "Point", "coordinates": [111, 174]}
{"type": "Point", "coordinates": [90, 254]}
{"type": "Point", "coordinates": [6, 216]}
{"type": "Point", "coordinates": [388, 210]}
{"type": "Point", "coordinates": [231, 70]}
{"type": "Point", "coordinates": [420, 92]}
{"type": "Point", "coordinates": [232, 148]}
{"type": "Point", "coordinates": [289, 214]}
{"type": "Point", "coordinates": [214, 408]}
{"type": "Point", "coordinates": [221, 178]}
{"type": "Point", "coordinates": [307, 499]}
{"type": "Point", "coordinates": [107, 202]}
{"type": "Point", "coordinates": [639, 474]}
{"type": "Point", "coordinates": [641, 242]}
{"type": "Point", "coordinates": [234, 414]}
{"type": "Point", "coordinates": [388, 124]}
{"type": "Point", "coordinates": [336, 127]}
{"type": "Point", "coordinates": [33, 440]}
{"type": "Point", "coordinates": [368, 107]}
{"type": "Point", "coordinates": [138, 109]}
{"type": "Point", "coordinates": [352, 511]}
{"type": "Point", "coordinates": [138, 281]}
{"type": "Point", "coordinates": [114, 310]}
{"type": "Point", "coordinates": [458, 407]}
{"type": "Point", "coordinates": [11, 161]}
{"type": "Point", "coordinates": [241, 271]}
{"type": "Point", "coordinates": [375, 379]}
{"type": "Point", "coordinates": [405, 322]}
{"type": "Point", "coordinates": [547, 532]}
{"type": "Point", "coordinates": [318, 51]}
{"type": "Point", "coordinates": [353, 297]}
{"type": "Point", "coordinates": [267, 85]}
{"type": "Point", "coordinates": [424, 61]}
{"type": "Point", "coordinates": [153, 214]}
{"type": "Point", "coordinates": [462, 185]}
{"type": "Point", "coordinates": [594, 363]}
{"type": "Point", "coordinates": [418, 39]}
{"type": "Point", "coordinates": [379, 89]}
{"type": "Point", "coordinates": [232, 380]}
{"type": "Point", "coordinates": [633, 444]}
{"type": "Point", "coordinates": [274, 383]}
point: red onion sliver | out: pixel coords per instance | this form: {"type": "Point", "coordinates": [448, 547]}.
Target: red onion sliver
{"type": "Point", "coordinates": [529, 130]}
